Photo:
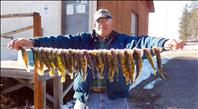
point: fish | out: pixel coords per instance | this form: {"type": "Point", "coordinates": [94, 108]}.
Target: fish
{"type": "Point", "coordinates": [60, 66]}
{"type": "Point", "coordinates": [99, 64]}
{"type": "Point", "coordinates": [51, 59]}
{"type": "Point", "coordinates": [45, 58]}
{"type": "Point", "coordinates": [103, 56]}
{"type": "Point", "coordinates": [41, 63]}
{"type": "Point", "coordinates": [123, 63]}
{"type": "Point", "coordinates": [150, 59]}
{"type": "Point", "coordinates": [77, 61]}
{"type": "Point", "coordinates": [25, 58]}
{"type": "Point", "coordinates": [131, 63]}
{"type": "Point", "coordinates": [115, 62]}
{"type": "Point", "coordinates": [35, 58]}
{"type": "Point", "coordinates": [65, 60]}
{"type": "Point", "coordinates": [71, 63]}
{"type": "Point", "coordinates": [92, 53]}
{"type": "Point", "coordinates": [110, 65]}
{"type": "Point", "coordinates": [68, 61]}
{"type": "Point", "coordinates": [83, 64]}
{"type": "Point", "coordinates": [90, 63]}
{"type": "Point", "coordinates": [159, 64]}
{"type": "Point", "coordinates": [95, 61]}
{"type": "Point", "coordinates": [54, 59]}
{"type": "Point", "coordinates": [57, 62]}
{"type": "Point", "coordinates": [138, 57]}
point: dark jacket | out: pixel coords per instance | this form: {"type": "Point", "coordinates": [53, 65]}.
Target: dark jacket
{"type": "Point", "coordinates": [87, 41]}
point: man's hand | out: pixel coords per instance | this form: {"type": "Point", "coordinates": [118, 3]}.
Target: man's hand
{"type": "Point", "coordinates": [174, 44]}
{"type": "Point", "coordinates": [21, 42]}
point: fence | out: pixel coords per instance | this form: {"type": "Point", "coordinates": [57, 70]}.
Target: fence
{"type": "Point", "coordinates": [9, 69]}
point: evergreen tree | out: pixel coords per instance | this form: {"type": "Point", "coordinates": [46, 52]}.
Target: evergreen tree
{"type": "Point", "coordinates": [184, 24]}
{"type": "Point", "coordinates": [193, 23]}
{"type": "Point", "coordinates": [189, 23]}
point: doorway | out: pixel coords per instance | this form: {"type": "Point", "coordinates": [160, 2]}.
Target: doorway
{"type": "Point", "coordinates": [75, 16]}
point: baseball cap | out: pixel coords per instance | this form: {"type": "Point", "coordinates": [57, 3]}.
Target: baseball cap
{"type": "Point", "coordinates": [102, 13]}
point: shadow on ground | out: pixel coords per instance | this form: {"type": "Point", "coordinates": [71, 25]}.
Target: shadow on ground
{"type": "Point", "coordinates": [179, 91]}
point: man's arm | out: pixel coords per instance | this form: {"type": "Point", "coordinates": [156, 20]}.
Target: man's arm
{"type": "Point", "coordinates": [61, 41]}
{"type": "Point", "coordinates": [166, 44]}
{"type": "Point", "coordinates": [21, 42]}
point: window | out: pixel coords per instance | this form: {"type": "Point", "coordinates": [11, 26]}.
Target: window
{"type": "Point", "coordinates": [134, 23]}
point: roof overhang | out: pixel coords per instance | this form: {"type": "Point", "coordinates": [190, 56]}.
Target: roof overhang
{"type": "Point", "coordinates": [150, 5]}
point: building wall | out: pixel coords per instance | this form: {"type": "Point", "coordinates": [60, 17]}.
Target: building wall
{"type": "Point", "coordinates": [121, 12]}
{"type": "Point", "coordinates": [51, 18]}
{"type": "Point", "coordinates": [50, 12]}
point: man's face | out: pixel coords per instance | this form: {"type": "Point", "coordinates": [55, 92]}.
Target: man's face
{"type": "Point", "coordinates": [104, 27]}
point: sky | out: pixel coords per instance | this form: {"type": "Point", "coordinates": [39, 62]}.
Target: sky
{"type": "Point", "coordinates": [164, 22]}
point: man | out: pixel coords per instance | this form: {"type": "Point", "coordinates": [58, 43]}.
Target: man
{"type": "Point", "coordinates": [101, 93]}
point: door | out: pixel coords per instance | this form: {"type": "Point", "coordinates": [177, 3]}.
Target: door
{"type": "Point", "coordinates": [75, 16]}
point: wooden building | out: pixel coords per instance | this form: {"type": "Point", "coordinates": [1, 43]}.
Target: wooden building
{"type": "Point", "coordinates": [129, 16]}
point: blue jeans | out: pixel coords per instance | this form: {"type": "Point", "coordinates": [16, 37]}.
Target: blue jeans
{"type": "Point", "coordinates": [101, 101]}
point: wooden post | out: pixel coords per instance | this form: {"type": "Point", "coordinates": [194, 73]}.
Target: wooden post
{"type": "Point", "coordinates": [58, 92]}
{"type": "Point", "coordinates": [39, 86]}
{"type": "Point", "coordinates": [37, 24]}
{"type": "Point", "coordinates": [16, 15]}
{"type": "Point", "coordinates": [39, 91]}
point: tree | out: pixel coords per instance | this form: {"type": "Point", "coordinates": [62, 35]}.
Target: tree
{"type": "Point", "coordinates": [184, 24]}
{"type": "Point", "coordinates": [189, 23]}
{"type": "Point", "coordinates": [194, 23]}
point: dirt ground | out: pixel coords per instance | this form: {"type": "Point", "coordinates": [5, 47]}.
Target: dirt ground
{"type": "Point", "coordinates": [24, 97]}
{"type": "Point", "coordinates": [179, 91]}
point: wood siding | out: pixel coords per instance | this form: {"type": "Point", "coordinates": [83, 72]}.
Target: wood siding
{"type": "Point", "coordinates": [121, 12]}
